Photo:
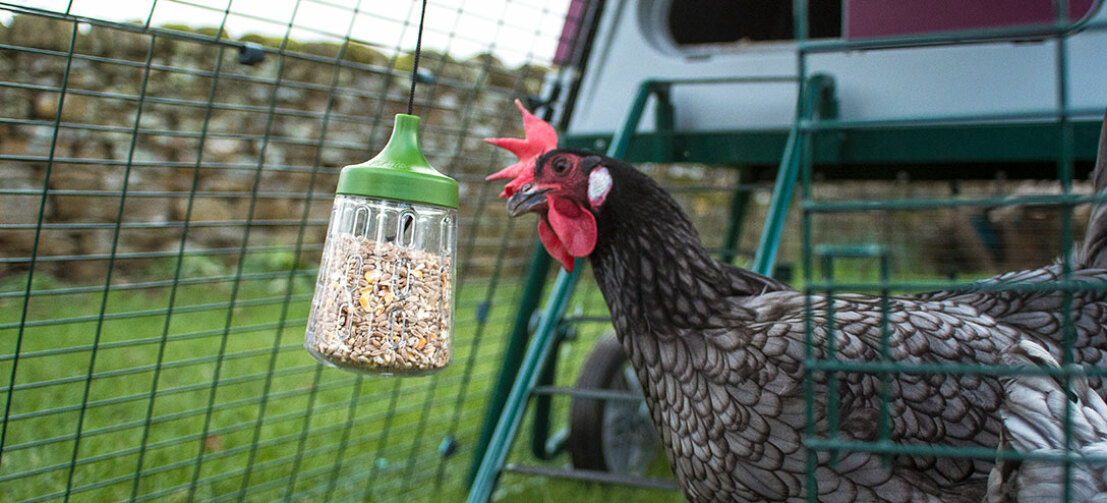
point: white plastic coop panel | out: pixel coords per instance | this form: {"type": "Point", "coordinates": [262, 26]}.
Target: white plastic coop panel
{"type": "Point", "coordinates": [984, 78]}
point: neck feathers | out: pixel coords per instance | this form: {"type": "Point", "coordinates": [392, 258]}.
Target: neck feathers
{"type": "Point", "coordinates": [651, 266]}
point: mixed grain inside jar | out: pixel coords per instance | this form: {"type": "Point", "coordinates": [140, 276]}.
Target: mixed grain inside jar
{"type": "Point", "coordinates": [383, 302]}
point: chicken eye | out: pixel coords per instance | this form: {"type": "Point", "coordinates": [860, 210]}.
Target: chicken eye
{"type": "Point", "coordinates": [560, 165]}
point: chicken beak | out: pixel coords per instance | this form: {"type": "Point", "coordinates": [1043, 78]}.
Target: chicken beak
{"type": "Point", "coordinates": [528, 198]}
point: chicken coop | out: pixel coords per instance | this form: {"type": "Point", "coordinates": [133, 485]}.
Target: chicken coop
{"type": "Point", "coordinates": [168, 170]}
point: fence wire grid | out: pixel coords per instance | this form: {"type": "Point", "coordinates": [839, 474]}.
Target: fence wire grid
{"type": "Point", "coordinates": [164, 190]}
{"type": "Point", "coordinates": [834, 264]}
{"type": "Point", "coordinates": [166, 174]}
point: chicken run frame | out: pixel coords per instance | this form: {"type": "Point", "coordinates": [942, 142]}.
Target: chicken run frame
{"type": "Point", "coordinates": [164, 191]}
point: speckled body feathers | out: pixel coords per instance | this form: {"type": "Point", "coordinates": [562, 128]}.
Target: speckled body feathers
{"type": "Point", "coordinates": [720, 352]}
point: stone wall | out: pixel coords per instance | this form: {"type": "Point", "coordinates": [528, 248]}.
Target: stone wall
{"type": "Point", "coordinates": [278, 129]}
{"type": "Point", "coordinates": [257, 140]}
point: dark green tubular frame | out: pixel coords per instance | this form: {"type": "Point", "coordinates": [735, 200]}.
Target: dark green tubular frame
{"type": "Point", "coordinates": [1059, 138]}
{"type": "Point", "coordinates": [971, 145]}
{"type": "Point", "coordinates": [816, 99]}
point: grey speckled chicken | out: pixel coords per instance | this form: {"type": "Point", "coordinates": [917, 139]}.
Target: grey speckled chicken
{"type": "Point", "coordinates": [719, 350]}
{"type": "Point", "coordinates": [1033, 421]}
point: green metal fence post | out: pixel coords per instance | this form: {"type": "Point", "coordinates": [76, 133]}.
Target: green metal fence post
{"type": "Point", "coordinates": [738, 206]}
{"type": "Point", "coordinates": [664, 120]}
{"type": "Point", "coordinates": [621, 141]}
{"type": "Point", "coordinates": [812, 94]}
{"type": "Point", "coordinates": [542, 445]}
{"type": "Point", "coordinates": [513, 355]}
{"type": "Point", "coordinates": [536, 354]}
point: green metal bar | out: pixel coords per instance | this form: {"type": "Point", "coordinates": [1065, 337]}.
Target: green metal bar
{"type": "Point", "coordinates": [884, 426]}
{"type": "Point", "coordinates": [622, 137]}
{"type": "Point", "coordinates": [811, 460]}
{"type": "Point", "coordinates": [1059, 285]}
{"type": "Point", "coordinates": [34, 247]}
{"type": "Point", "coordinates": [157, 194]}
{"type": "Point", "coordinates": [108, 277]}
{"type": "Point", "coordinates": [1058, 200]}
{"type": "Point", "coordinates": [204, 129]}
{"type": "Point", "coordinates": [537, 352]}
{"type": "Point", "coordinates": [832, 391]}
{"type": "Point", "coordinates": [876, 367]}
{"type": "Point", "coordinates": [514, 353]}
{"type": "Point", "coordinates": [301, 440]}
{"type": "Point", "coordinates": [158, 420]}
{"type": "Point", "coordinates": [222, 476]}
{"type": "Point", "coordinates": [866, 148]}
{"type": "Point", "coordinates": [344, 442]}
{"type": "Point", "coordinates": [946, 451]}
{"type": "Point", "coordinates": [527, 304]}
{"type": "Point", "coordinates": [739, 203]}
{"type": "Point", "coordinates": [290, 283]}
{"type": "Point", "coordinates": [195, 308]}
{"type": "Point", "coordinates": [147, 368]}
{"type": "Point", "coordinates": [664, 121]}
{"type": "Point", "coordinates": [828, 254]}
{"type": "Point", "coordinates": [225, 43]}
{"type": "Point", "coordinates": [389, 416]}
{"type": "Point", "coordinates": [1016, 118]}
{"type": "Point", "coordinates": [512, 356]}
{"type": "Point", "coordinates": [388, 72]}
{"type": "Point", "coordinates": [192, 486]}
{"type": "Point", "coordinates": [541, 445]}
{"type": "Point", "coordinates": [420, 431]}
{"type": "Point", "coordinates": [816, 90]}
{"type": "Point", "coordinates": [1065, 175]}
{"type": "Point", "coordinates": [154, 254]}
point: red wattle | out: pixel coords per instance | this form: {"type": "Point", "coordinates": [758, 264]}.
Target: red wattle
{"type": "Point", "coordinates": [554, 246]}
{"type": "Point", "coordinates": [575, 226]}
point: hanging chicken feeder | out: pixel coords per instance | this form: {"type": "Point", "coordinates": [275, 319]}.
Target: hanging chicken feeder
{"type": "Point", "coordinates": [383, 300]}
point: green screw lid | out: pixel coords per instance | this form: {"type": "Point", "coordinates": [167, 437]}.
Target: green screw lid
{"type": "Point", "coordinates": [400, 172]}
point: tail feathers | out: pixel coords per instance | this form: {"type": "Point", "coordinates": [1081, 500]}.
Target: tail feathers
{"type": "Point", "coordinates": [1033, 420]}
{"type": "Point", "coordinates": [1034, 411]}
{"type": "Point", "coordinates": [1094, 253]}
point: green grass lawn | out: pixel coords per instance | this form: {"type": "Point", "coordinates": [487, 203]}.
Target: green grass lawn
{"type": "Point", "coordinates": [277, 426]}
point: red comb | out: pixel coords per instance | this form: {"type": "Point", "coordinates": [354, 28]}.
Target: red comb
{"type": "Point", "coordinates": [540, 138]}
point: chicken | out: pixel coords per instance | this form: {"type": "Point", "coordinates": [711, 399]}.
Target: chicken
{"type": "Point", "coordinates": [720, 350]}
{"type": "Point", "coordinates": [1033, 423]}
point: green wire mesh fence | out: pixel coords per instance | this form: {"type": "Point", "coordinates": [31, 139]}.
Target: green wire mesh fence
{"type": "Point", "coordinates": [834, 264]}
{"type": "Point", "coordinates": [164, 190]}
{"type": "Point", "coordinates": [166, 175]}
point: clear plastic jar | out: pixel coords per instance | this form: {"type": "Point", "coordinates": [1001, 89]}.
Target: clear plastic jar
{"type": "Point", "coordinates": [384, 299]}
{"type": "Point", "coordinates": [384, 296]}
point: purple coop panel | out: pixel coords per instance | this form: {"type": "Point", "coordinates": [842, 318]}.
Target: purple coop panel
{"type": "Point", "coordinates": [881, 18]}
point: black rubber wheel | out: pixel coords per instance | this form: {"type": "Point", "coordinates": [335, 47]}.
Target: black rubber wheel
{"type": "Point", "coordinates": [611, 435]}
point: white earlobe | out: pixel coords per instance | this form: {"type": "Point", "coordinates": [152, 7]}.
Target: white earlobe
{"type": "Point", "coordinates": [599, 185]}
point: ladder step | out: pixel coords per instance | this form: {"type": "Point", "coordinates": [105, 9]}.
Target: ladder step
{"type": "Point", "coordinates": [666, 484]}
{"type": "Point", "coordinates": [598, 394]}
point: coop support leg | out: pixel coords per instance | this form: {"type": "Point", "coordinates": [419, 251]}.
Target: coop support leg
{"type": "Point", "coordinates": [513, 355]}
{"type": "Point", "coordinates": [538, 352]}
{"type": "Point", "coordinates": [737, 220]}
{"type": "Point", "coordinates": [542, 444]}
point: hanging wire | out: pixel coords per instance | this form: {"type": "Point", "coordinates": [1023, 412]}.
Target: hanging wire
{"type": "Point", "coordinates": [415, 65]}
